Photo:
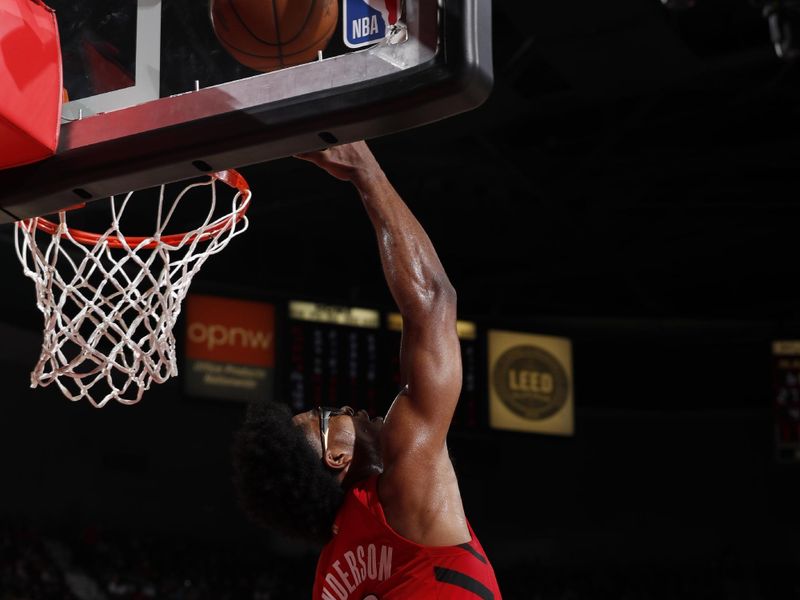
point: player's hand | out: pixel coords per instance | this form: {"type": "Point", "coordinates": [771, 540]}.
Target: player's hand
{"type": "Point", "coordinates": [348, 162]}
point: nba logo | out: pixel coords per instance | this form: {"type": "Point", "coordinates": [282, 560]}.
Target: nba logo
{"type": "Point", "coordinates": [366, 22]}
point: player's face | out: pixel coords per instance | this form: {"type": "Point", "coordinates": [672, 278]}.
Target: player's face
{"type": "Point", "coordinates": [342, 428]}
{"type": "Point", "coordinates": [324, 414]}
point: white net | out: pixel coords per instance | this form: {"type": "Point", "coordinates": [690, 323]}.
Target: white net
{"type": "Point", "coordinates": [110, 303]}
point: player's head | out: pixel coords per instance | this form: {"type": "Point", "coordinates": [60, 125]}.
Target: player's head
{"type": "Point", "coordinates": [347, 442]}
{"type": "Point", "coordinates": [280, 479]}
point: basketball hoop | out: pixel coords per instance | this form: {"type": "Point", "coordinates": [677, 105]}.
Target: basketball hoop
{"type": "Point", "coordinates": [110, 301]}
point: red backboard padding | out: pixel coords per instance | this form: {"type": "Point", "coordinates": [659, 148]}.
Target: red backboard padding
{"type": "Point", "coordinates": [30, 82]}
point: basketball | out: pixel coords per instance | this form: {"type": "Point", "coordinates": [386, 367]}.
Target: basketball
{"type": "Point", "coordinates": [271, 34]}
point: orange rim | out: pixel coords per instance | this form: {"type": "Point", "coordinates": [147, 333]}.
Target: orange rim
{"type": "Point", "coordinates": [231, 177]}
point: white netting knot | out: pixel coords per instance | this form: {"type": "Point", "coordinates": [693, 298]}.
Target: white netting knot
{"type": "Point", "coordinates": [110, 303]}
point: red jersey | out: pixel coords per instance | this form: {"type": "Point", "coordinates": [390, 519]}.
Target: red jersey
{"type": "Point", "coordinates": [368, 560]}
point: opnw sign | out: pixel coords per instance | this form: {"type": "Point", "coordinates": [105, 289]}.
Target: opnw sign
{"type": "Point", "coordinates": [215, 336]}
{"type": "Point", "coordinates": [230, 348]}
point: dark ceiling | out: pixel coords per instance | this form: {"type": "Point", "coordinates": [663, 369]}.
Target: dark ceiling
{"type": "Point", "coordinates": [632, 161]}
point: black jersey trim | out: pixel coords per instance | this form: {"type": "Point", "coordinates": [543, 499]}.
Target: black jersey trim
{"type": "Point", "coordinates": [474, 552]}
{"type": "Point", "coordinates": [464, 581]}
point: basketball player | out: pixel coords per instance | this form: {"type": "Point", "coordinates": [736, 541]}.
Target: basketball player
{"type": "Point", "coordinates": [381, 494]}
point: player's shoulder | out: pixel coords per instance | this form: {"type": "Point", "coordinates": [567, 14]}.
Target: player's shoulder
{"type": "Point", "coordinates": [422, 502]}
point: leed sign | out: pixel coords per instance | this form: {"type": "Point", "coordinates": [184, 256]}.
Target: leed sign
{"type": "Point", "coordinates": [230, 348]}
{"type": "Point", "coordinates": [531, 383]}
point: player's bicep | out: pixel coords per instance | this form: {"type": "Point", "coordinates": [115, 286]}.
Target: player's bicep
{"type": "Point", "coordinates": [432, 372]}
{"type": "Point", "coordinates": [431, 369]}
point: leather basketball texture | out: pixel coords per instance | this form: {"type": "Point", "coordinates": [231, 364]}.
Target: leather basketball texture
{"type": "Point", "coordinates": [271, 34]}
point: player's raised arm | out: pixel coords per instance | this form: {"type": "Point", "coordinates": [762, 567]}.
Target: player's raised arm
{"type": "Point", "coordinates": [417, 486]}
{"type": "Point", "coordinates": [430, 357]}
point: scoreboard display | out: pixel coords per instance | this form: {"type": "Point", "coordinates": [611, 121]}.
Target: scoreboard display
{"type": "Point", "coordinates": [324, 355]}
{"type": "Point", "coordinates": [333, 357]}
{"type": "Point", "coordinates": [339, 355]}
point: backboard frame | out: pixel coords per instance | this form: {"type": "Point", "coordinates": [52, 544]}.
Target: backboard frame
{"type": "Point", "coordinates": [424, 79]}
{"type": "Point", "coordinates": [146, 79]}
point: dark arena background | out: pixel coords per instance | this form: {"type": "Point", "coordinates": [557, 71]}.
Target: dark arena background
{"type": "Point", "coordinates": [630, 185]}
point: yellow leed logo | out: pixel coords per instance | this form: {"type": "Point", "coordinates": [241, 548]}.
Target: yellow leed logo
{"type": "Point", "coordinates": [530, 377]}
{"type": "Point", "coordinates": [531, 382]}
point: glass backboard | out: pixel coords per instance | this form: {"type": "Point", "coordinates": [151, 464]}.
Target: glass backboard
{"type": "Point", "coordinates": [154, 97]}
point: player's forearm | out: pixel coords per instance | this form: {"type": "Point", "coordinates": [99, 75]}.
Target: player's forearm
{"type": "Point", "coordinates": [414, 274]}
